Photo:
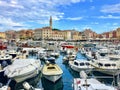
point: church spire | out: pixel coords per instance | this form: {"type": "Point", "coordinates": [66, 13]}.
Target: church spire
{"type": "Point", "coordinates": [51, 22]}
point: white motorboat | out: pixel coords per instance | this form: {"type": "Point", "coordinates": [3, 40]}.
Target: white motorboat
{"type": "Point", "coordinates": [68, 58]}
{"type": "Point", "coordinates": [4, 88]}
{"type": "Point", "coordinates": [104, 51]}
{"type": "Point", "coordinates": [82, 51]}
{"type": "Point", "coordinates": [85, 83]}
{"type": "Point", "coordinates": [88, 55]}
{"type": "Point", "coordinates": [13, 53]}
{"type": "Point", "coordinates": [54, 54]}
{"type": "Point", "coordinates": [22, 69]}
{"type": "Point", "coordinates": [106, 66]}
{"type": "Point", "coordinates": [52, 72]}
{"type": "Point", "coordinates": [78, 65]}
{"type": "Point", "coordinates": [90, 84]}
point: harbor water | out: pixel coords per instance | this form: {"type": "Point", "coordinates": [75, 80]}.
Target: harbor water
{"type": "Point", "coordinates": [65, 83]}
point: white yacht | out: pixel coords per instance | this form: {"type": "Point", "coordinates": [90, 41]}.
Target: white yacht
{"type": "Point", "coordinates": [106, 66]}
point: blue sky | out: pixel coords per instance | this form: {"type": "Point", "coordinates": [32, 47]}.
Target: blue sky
{"type": "Point", "coordinates": [98, 15]}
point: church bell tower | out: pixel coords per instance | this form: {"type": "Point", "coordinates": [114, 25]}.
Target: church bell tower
{"type": "Point", "coordinates": [51, 22]}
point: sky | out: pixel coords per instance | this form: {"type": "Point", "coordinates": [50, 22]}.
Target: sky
{"type": "Point", "coordinates": [98, 15]}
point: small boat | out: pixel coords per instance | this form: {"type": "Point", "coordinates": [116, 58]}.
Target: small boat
{"type": "Point", "coordinates": [6, 86]}
{"type": "Point", "coordinates": [54, 54]}
{"type": "Point", "coordinates": [85, 83]}
{"type": "Point", "coordinates": [13, 53]}
{"type": "Point", "coordinates": [68, 58]}
{"type": "Point", "coordinates": [89, 55]}
{"type": "Point", "coordinates": [52, 72]}
{"type": "Point", "coordinates": [5, 57]}
{"type": "Point", "coordinates": [23, 69]}
{"type": "Point", "coordinates": [78, 65]}
{"type": "Point", "coordinates": [3, 46]}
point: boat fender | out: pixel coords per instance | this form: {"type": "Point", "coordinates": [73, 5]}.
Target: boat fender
{"type": "Point", "coordinates": [1, 85]}
{"type": "Point", "coordinates": [83, 75]}
{"type": "Point", "coordinates": [47, 62]}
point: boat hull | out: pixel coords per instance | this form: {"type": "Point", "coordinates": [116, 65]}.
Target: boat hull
{"type": "Point", "coordinates": [109, 71]}
{"type": "Point", "coordinates": [25, 76]}
{"type": "Point", "coordinates": [52, 72]}
{"type": "Point", "coordinates": [52, 78]}
{"type": "Point", "coordinates": [77, 69]}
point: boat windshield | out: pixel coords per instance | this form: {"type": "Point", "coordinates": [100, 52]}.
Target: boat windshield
{"type": "Point", "coordinates": [87, 63]}
{"type": "Point", "coordinates": [76, 63]}
{"type": "Point", "coordinates": [100, 64]}
{"type": "Point", "coordinates": [107, 65]}
{"type": "Point", "coordinates": [82, 64]}
{"type": "Point", "coordinates": [113, 64]}
{"type": "Point", "coordinates": [51, 67]}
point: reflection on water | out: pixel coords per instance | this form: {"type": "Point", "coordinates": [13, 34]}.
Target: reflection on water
{"type": "Point", "coordinates": [73, 73]}
{"type": "Point", "coordinates": [48, 85]}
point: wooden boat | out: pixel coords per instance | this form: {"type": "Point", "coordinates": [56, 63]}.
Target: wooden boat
{"type": "Point", "coordinates": [52, 72]}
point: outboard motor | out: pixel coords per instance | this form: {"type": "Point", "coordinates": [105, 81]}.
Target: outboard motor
{"type": "Point", "coordinates": [4, 64]}
{"type": "Point", "coordinates": [27, 86]}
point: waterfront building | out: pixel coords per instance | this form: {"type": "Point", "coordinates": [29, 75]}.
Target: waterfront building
{"type": "Point", "coordinates": [88, 34]}
{"type": "Point", "coordinates": [77, 35]}
{"type": "Point", "coordinates": [67, 34]}
{"type": "Point", "coordinates": [25, 34]}
{"type": "Point", "coordinates": [43, 33]}
{"type": "Point", "coordinates": [2, 35]}
{"type": "Point", "coordinates": [118, 33]}
{"type": "Point", "coordinates": [57, 35]}
{"type": "Point", "coordinates": [11, 34]}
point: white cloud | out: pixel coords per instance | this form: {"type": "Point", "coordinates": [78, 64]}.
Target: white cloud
{"type": "Point", "coordinates": [74, 18]}
{"type": "Point", "coordinates": [9, 22]}
{"type": "Point", "coordinates": [91, 0]}
{"type": "Point", "coordinates": [114, 24]}
{"type": "Point", "coordinates": [115, 8]}
{"type": "Point", "coordinates": [96, 23]}
{"type": "Point", "coordinates": [92, 7]}
{"type": "Point", "coordinates": [22, 11]}
{"type": "Point", "coordinates": [109, 17]}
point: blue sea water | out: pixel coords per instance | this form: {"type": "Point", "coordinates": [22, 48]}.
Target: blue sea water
{"type": "Point", "coordinates": [65, 83]}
